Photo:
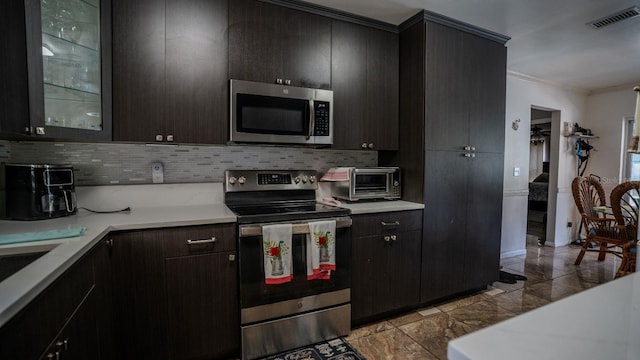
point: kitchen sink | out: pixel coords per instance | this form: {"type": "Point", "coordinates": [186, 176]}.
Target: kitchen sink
{"type": "Point", "coordinates": [10, 264]}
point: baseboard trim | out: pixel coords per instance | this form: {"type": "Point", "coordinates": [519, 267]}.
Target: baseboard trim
{"type": "Point", "coordinates": [514, 253]}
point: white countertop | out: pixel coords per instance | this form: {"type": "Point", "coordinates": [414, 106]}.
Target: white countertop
{"type": "Point", "coordinates": [600, 323]}
{"type": "Point", "coordinates": [20, 288]}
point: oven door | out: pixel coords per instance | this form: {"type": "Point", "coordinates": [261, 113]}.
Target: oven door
{"type": "Point", "coordinates": [259, 301]}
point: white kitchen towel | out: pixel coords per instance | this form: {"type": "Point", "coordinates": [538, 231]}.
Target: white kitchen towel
{"type": "Point", "coordinates": [276, 245]}
{"type": "Point", "coordinates": [321, 246]}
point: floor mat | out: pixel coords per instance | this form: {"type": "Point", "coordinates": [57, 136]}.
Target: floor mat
{"type": "Point", "coordinates": [509, 278]}
{"type": "Point", "coordinates": [336, 349]}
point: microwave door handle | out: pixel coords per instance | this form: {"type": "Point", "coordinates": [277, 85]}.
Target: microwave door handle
{"type": "Point", "coordinates": [312, 119]}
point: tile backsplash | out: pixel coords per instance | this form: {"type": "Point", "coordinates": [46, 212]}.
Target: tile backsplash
{"type": "Point", "coordinates": [123, 163]}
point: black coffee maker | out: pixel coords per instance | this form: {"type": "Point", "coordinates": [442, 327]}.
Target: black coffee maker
{"type": "Point", "coordinates": [39, 191]}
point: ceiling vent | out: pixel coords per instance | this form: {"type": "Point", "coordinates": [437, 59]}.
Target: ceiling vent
{"type": "Point", "coordinates": [614, 18]}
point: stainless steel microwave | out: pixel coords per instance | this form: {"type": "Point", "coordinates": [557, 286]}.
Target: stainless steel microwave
{"type": "Point", "coordinates": [280, 114]}
{"type": "Point", "coordinates": [368, 183]}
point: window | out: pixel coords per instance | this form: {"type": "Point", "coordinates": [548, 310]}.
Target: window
{"type": "Point", "coordinates": [632, 161]}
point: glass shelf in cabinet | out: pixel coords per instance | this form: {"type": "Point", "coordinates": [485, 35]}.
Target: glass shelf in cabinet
{"type": "Point", "coordinates": [78, 69]}
{"type": "Point", "coordinates": [70, 108]}
{"type": "Point", "coordinates": [55, 92]}
{"type": "Point", "coordinates": [66, 49]}
{"type": "Point", "coordinates": [75, 21]}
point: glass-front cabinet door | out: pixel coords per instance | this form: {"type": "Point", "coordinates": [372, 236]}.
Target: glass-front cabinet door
{"type": "Point", "coordinates": [73, 67]}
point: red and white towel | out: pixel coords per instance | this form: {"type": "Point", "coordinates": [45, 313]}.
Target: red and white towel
{"type": "Point", "coordinates": [276, 244]}
{"type": "Point", "coordinates": [321, 246]}
{"type": "Point", "coordinates": [336, 174]}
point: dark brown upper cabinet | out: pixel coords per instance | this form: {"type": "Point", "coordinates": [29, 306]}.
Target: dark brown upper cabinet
{"type": "Point", "coordinates": [364, 79]}
{"type": "Point", "coordinates": [170, 71]}
{"type": "Point", "coordinates": [269, 42]}
{"type": "Point", "coordinates": [57, 70]}
{"type": "Point", "coordinates": [465, 104]}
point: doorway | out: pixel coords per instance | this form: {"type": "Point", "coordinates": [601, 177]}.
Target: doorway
{"type": "Point", "coordinates": [539, 160]}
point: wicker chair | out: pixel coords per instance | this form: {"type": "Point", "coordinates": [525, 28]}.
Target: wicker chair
{"type": "Point", "coordinates": [588, 194]}
{"type": "Point", "coordinates": [625, 203]}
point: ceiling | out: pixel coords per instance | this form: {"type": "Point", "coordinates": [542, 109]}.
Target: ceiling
{"type": "Point", "coordinates": [550, 40]}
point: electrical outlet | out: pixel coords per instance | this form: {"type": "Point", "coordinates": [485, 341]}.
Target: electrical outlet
{"type": "Point", "coordinates": [157, 172]}
{"type": "Point", "coordinates": [569, 224]}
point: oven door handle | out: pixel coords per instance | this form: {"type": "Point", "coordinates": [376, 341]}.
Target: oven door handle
{"type": "Point", "coordinates": [297, 228]}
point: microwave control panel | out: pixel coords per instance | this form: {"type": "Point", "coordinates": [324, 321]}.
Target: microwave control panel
{"type": "Point", "coordinates": [321, 124]}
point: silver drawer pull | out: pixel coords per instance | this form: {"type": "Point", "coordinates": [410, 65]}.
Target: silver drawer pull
{"type": "Point", "coordinates": [395, 223]}
{"type": "Point", "coordinates": [203, 241]}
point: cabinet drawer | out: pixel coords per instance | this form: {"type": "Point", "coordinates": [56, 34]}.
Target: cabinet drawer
{"type": "Point", "coordinates": [388, 222]}
{"type": "Point", "coordinates": [203, 239]}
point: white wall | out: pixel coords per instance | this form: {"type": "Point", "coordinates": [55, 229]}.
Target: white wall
{"type": "Point", "coordinates": [605, 113]}
{"type": "Point", "coordinates": [522, 94]}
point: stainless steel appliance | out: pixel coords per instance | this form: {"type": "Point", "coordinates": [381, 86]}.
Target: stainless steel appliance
{"type": "Point", "coordinates": [36, 192]}
{"type": "Point", "coordinates": [280, 114]}
{"type": "Point", "coordinates": [280, 317]}
{"type": "Point", "coordinates": [368, 183]}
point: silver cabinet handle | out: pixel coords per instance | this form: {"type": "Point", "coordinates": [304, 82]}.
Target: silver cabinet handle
{"type": "Point", "coordinates": [159, 137]}
{"type": "Point", "coordinates": [170, 137]}
{"type": "Point", "coordinates": [370, 146]}
{"type": "Point", "coordinates": [39, 130]}
{"type": "Point", "coordinates": [387, 238]}
{"type": "Point", "coordinates": [394, 238]}
{"type": "Point", "coordinates": [232, 257]}
{"type": "Point", "coordinates": [202, 241]}
{"type": "Point", "coordinates": [395, 223]}
{"type": "Point", "coordinates": [364, 145]}
{"type": "Point", "coordinates": [62, 345]}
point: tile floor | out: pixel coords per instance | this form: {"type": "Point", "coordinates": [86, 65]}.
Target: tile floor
{"type": "Point", "coordinates": [424, 334]}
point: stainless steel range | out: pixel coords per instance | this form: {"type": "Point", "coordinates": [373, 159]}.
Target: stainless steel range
{"type": "Point", "coordinates": [279, 317]}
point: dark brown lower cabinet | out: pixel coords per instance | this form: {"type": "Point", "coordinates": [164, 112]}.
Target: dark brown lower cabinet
{"type": "Point", "coordinates": [175, 300]}
{"type": "Point", "coordinates": [202, 306]}
{"type": "Point", "coordinates": [461, 249]}
{"type": "Point", "coordinates": [386, 256]}
{"type": "Point", "coordinates": [69, 320]}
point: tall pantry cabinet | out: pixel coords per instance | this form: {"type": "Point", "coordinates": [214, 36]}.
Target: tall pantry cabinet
{"type": "Point", "coordinates": [452, 116]}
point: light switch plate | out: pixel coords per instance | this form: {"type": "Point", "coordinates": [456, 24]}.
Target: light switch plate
{"type": "Point", "coordinates": [516, 171]}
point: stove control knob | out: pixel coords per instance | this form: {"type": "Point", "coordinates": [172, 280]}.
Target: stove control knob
{"type": "Point", "coordinates": [232, 180]}
{"type": "Point", "coordinates": [305, 179]}
{"type": "Point", "coordinates": [312, 179]}
{"type": "Point", "coordinates": [296, 179]}
{"type": "Point", "coordinates": [242, 180]}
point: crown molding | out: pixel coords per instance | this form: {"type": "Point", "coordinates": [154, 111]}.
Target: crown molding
{"type": "Point", "coordinates": [531, 78]}
{"type": "Point", "coordinates": [427, 15]}
{"type": "Point", "coordinates": [334, 14]}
